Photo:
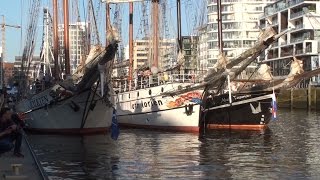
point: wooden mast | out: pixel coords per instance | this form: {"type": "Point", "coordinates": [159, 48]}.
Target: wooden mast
{"type": "Point", "coordinates": [108, 30]}
{"type": "Point", "coordinates": [55, 39]}
{"type": "Point", "coordinates": [155, 19]}
{"type": "Point", "coordinates": [179, 25]}
{"type": "Point", "coordinates": [219, 26]}
{"type": "Point", "coordinates": [130, 41]}
{"type": "Point", "coordinates": [66, 37]}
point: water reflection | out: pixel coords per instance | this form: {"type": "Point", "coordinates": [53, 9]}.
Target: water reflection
{"type": "Point", "coordinates": [289, 149]}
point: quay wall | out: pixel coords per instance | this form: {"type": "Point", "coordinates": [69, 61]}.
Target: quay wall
{"type": "Point", "coordinates": [299, 98]}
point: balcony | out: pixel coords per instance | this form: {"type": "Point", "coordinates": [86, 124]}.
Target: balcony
{"type": "Point", "coordinates": [281, 5]}
{"type": "Point", "coordinates": [286, 54]}
{"type": "Point", "coordinates": [294, 2]}
{"type": "Point", "coordinates": [294, 15]}
{"type": "Point", "coordinates": [299, 39]}
{"type": "Point", "coordinates": [299, 26]}
{"type": "Point", "coordinates": [283, 43]}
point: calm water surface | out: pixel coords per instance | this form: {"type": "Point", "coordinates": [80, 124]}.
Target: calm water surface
{"type": "Point", "coordinates": [289, 149]}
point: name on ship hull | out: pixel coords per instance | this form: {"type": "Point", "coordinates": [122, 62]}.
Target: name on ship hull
{"type": "Point", "coordinates": [147, 104]}
{"type": "Point", "coordinates": [39, 102]}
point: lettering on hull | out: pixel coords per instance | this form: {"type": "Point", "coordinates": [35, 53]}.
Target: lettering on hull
{"type": "Point", "coordinates": [147, 104]}
{"type": "Point", "coordinates": [39, 102]}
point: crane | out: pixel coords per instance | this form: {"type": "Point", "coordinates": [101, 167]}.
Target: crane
{"type": "Point", "coordinates": [3, 44]}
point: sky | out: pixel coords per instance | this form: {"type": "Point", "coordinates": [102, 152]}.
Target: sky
{"type": "Point", "coordinates": [11, 9]}
{"type": "Point", "coordinates": [16, 13]}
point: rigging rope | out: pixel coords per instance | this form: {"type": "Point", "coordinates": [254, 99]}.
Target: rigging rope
{"type": "Point", "coordinates": [34, 11]}
{"type": "Point", "coordinates": [95, 27]}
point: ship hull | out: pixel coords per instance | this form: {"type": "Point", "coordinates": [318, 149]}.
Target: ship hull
{"type": "Point", "coordinates": [84, 113]}
{"type": "Point", "coordinates": [247, 111]}
{"type": "Point", "coordinates": [145, 108]}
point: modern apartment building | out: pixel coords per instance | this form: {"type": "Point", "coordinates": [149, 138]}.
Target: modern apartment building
{"type": "Point", "coordinates": [240, 28]}
{"type": "Point", "coordinates": [190, 52]}
{"type": "Point", "coordinates": [303, 17]}
{"type": "Point", "coordinates": [77, 33]}
{"type": "Point", "coordinates": [142, 56]}
{"type": "Point", "coordinates": [32, 73]}
{"type": "Point", "coordinates": [202, 48]}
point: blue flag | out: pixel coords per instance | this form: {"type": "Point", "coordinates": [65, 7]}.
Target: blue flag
{"type": "Point", "coordinates": [114, 125]}
{"type": "Point", "coordinates": [274, 107]}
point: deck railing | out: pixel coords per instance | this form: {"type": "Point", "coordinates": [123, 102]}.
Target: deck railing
{"type": "Point", "coordinates": [141, 82]}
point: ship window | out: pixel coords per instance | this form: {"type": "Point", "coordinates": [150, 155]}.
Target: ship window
{"type": "Point", "coordinates": [138, 94]}
{"type": "Point", "coordinates": [129, 95]}
{"type": "Point", "coordinates": [162, 89]}
{"type": "Point", "coordinates": [149, 91]}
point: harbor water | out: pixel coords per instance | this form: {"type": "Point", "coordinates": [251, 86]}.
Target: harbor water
{"type": "Point", "coordinates": [289, 149]}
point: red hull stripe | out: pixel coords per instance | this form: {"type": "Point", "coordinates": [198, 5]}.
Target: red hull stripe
{"type": "Point", "coordinates": [240, 127]}
{"type": "Point", "coordinates": [165, 128]}
{"type": "Point", "coordinates": [72, 131]}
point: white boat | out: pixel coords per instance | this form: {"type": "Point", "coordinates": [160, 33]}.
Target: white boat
{"type": "Point", "coordinates": [61, 110]}
{"type": "Point", "coordinates": [82, 113]}
{"type": "Point", "coordinates": [141, 104]}
{"type": "Point", "coordinates": [75, 105]}
{"type": "Point", "coordinates": [145, 107]}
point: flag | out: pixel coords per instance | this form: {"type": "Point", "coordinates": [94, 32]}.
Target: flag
{"type": "Point", "coordinates": [274, 106]}
{"type": "Point", "coordinates": [114, 125]}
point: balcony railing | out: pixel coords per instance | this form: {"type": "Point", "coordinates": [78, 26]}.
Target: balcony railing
{"type": "Point", "coordinates": [294, 2]}
{"type": "Point", "coordinates": [282, 5]}
{"type": "Point", "coordinates": [294, 40]}
{"type": "Point", "coordinates": [294, 15]}
{"type": "Point", "coordinates": [300, 26]}
{"type": "Point", "coordinates": [285, 54]}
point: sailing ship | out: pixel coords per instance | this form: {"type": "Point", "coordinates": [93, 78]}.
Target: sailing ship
{"type": "Point", "coordinates": [229, 108]}
{"type": "Point", "coordinates": [139, 103]}
{"type": "Point", "coordinates": [73, 105]}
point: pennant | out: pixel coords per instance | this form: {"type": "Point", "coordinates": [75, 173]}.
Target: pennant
{"type": "Point", "coordinates": [114, 125]}
{"type": "Point", "coordinates": [274, 106]}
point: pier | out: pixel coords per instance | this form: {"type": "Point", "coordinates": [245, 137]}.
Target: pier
{"type": "Point", "coordinates": [28, 167]}
{"type": "Point", "coordinates": [300, 98]}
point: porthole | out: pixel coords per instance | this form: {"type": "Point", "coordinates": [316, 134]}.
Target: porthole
{"type": "Point", "coordinates": [149, 91]}
{"type": "Point", "coordinates": [129, 95]}
{"type": "Point", "coordinates": [138, 94]}
{"type": "Point", "coordinates": [162, 89]}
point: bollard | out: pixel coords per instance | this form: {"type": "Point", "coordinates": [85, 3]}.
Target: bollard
{"type": "Point", "coordinates": [16, 168]}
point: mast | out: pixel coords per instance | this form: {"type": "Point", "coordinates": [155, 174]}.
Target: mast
{"type": "Point", "coordinates": [66, 37]}
{"type": "Point", "coordinates": [179, 25]}
{"type": "Point", "coordinates": [3, 33]}
{"type": "Point", "coordinates": [107, 22]}
{"type": "Point", "coordinates": [55, 39]}
{"type": "Point", "coordinates": [221, 45]}
{"type": "Point", "coordinates": [130, 40]}
{"type": "Point", "coordinates": [155, 18]}
{"type": "Point", "coordinates": [219, 26]}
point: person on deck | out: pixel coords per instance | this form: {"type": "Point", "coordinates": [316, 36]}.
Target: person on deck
{"type": "Point", "coordinates": [10, 132]}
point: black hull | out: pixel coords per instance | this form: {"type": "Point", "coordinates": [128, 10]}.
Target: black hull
{"type": "Point", "coordinates": [247, 111]}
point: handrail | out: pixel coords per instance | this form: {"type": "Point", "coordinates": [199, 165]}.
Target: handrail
{"type": "Point", "coordinates": [141, 82]}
